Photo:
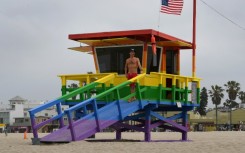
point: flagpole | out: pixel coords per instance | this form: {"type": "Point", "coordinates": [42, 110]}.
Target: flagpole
{"type": "Point", "coordinates": [158, 22]}
{"type": "Point", "coordinates": [194, 41]}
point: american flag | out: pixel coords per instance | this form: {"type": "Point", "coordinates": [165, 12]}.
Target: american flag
{"type": "Point", "coordinates": [172, 6]}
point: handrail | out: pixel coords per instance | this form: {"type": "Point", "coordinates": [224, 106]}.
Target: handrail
{"type": "Point", "coordinates": [106, 78]}
{"type": "Point", "coordinates": [183, 80]}
{"type": "Point", "coordinates": [58, 101]}
{"type": "Point", "coordinates": [88, 87]}
{"type": "Point", "coordinates": [49, 120]}
{"type": "Point", "coordinates": [78, 106]}
{"type": "Point", "coordinates": [176, 77]}
{"type": "Point", "coordinates": [82, 77]}
{"type": "Point", "coordinates": [93, 101]}
{"type": "Point", "coordinates": [44, 106]}
{"type": "Point", "coordinates": [140, 76]}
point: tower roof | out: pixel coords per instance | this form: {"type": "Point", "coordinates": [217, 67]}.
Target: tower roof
{"type": "Point", "coordinates": [130, 37]}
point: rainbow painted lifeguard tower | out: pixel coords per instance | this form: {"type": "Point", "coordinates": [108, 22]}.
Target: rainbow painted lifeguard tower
{"type": "Point", "coordinates": [101, 98]}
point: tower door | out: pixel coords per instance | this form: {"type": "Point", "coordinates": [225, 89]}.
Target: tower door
{"type": "Point", "coordinates": [171, 62]}
{"type": "Point", "coordinates": [171, 65]}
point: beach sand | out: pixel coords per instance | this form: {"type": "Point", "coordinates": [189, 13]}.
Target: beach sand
{"type": "Point", "coordinates": [199, 142]}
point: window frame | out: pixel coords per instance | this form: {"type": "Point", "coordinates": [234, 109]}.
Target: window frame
{"type": "Point", "coordinates": [117, 46]}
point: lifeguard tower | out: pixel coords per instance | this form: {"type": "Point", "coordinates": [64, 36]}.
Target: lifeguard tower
{"type": "Point", "coordinates": [101, 98]}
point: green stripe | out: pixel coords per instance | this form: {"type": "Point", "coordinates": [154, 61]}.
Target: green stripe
{"type": "Point", "coordinates": [160, 92]}
{"type": "Point", "coordinates": [63, 90]}
{"type": "Point", "coordinates": [112, 89]}
{"type": "Point", "coordinates": [79, 91]}
{"type": "Point", "coordinates": [186, 95]}
{"type": "Point", "coordinates": [173, 93]}
{"type": "Point", "coordinates": [198, 95]}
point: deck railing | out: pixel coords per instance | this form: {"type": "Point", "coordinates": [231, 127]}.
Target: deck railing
{"type": "Point", "coordinates": [57, 103]}
{"type": "Point", "coordinates": [116, 91]}
{"type": "Point", "coordinates": [181, 88]}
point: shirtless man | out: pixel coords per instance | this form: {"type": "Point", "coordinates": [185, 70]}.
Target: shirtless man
{"type": "Point", "coordinates": [131, 66]}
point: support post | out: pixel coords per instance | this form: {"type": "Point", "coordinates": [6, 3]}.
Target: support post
{"type": "Point", "coordinates": [163, 64]}
{"type": "Point", "coordinates": [96, 114]}
{"type": "Point", "coordinates": [95, 60]}
{"type": "Point", "coordinates": [139, 96]}
{"type": "Point", "coordinates": [63, 88]}
{"type": "Point", "coordinates": [33, 124]}
{"type": "Point", "coordinates": [144, 60]}
{"type": "Point", "coordinates": [70, 119]}
{"type": "Point", "coordinates": [118, 134]}
{"type": "Point", "coordinates": [147, 124]}
{"type": "Point", "coordinates": [119, 105]}
{"type": "Point", "coordinates": [59, 111]}
{"type": "Point", "coordinates": [184, 123]}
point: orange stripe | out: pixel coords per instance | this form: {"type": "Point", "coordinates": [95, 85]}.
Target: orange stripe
{"type": "Point", "coordinates": [95, 61]}
{"type": "Point", "coordinates": [194, 62]}
{"type": "Point", "coordinates": [163, 65]}
{"type": "Point", "coordinates": [144, 60]}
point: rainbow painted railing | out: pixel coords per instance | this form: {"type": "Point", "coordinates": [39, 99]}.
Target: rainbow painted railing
{"type": "Point", "coordinates": [181, 88]}
{"type": "Point", "coordinates": [57, 102]}
{"type": "Point", "coordinates": [114, 90]}
{"type": "Point", "coordinates": [111, 87]}
{"type": "Point", "coordinates": [81, 91]}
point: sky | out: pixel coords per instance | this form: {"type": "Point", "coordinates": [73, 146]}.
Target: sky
{"type": "Point", "coordinates": [34, 40]}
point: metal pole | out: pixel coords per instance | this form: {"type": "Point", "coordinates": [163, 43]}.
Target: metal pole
{"type": "Point", "coordinates": [194, 41]}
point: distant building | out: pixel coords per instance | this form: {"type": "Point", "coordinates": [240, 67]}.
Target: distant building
{"type": "Point", "coordinates": [17, 100]}
{"type": "Point", "coordinates": [242, 105]}
{"type": "Point", "coordinates": [16, 110]}
{"type": "Point", "coordinates": [17, 115]}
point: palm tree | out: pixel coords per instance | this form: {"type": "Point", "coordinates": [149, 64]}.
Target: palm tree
{"type": "Point", "coordinates": [73, 86]}
{"type": "Point", "coordinates": [232, 88]}
{"type": "Point", "coordinates": [241, 96]}
{"type": "Point", "coordinates": [216, 94]}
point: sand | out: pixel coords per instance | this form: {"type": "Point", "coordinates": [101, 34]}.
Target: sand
{"type": "Point", "coordinates": [199, 142]}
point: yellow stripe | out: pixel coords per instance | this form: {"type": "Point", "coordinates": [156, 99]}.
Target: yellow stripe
{"type": "Point", "coordinates": [106, 78]}
{"type": "Point", "coordinates": [161, 78]}
{"type": "Point", "coordinates": [63, 81]}
{"type": "Point", "coordinates": [174, 81]}
{"type": "Point", "coordinates": [136, 79]}
{"type": "Point", "coordinates": [186, 82]}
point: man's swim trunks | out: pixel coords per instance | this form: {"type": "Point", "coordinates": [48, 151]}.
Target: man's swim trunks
{"type": "Point", "coordinates": [130, 76]}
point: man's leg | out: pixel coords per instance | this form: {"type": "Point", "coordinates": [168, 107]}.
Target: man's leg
{"type": "Point", "coordinates": [133, 87]}
{"type": "Point", "coordinates": [133, 91]}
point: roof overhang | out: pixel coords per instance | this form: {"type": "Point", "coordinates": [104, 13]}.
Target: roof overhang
{"type": "Point", "coordinates": [132, 37]}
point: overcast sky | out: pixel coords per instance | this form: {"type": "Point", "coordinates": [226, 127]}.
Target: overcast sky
{"type": "Point", "coordinates": [34, 40]}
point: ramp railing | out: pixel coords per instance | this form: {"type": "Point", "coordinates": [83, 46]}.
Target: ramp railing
{"type": "Point", "coordinates": [116, 91]}
{"type": "Point", "coordinates": [57, 102]}
{"type": "Point", "coordinates": [83, 80]}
